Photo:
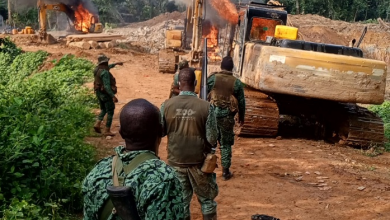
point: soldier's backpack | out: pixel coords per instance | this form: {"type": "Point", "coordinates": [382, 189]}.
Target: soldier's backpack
{"type": "Point", "coordinates": [117, 169]}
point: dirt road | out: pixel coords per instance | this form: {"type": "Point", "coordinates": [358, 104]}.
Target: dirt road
{"type": "Point", "coordinates": [286, 178]}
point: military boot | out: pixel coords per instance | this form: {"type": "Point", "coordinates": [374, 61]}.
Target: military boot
{"type": "Point", "coordinates": [226, 174]}
{"type": "Point", "coordinates": [107, 132]}
{"type": "Point", "coordinates": [210, 216]}
{"type": "Point", "coordinates": [97, 126]}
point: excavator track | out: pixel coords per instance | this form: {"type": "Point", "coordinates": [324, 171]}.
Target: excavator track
{"type": "Point", "coordinates": [261, 115]}
{"type": "Point", "coordinates": [166, 61]}
{"type": "Point", "coordinates": [347, 124]}
{"type": "Point", "coordinates": [364, 128]}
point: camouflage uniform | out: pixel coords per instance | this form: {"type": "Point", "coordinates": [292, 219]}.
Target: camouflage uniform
{"type": "Point", "coordinates": [107, 105]}
{"type": "Point", "coordinates": [175, 83]}
{"type": "Point", "coordinates": [156, 188]}
{"type": "Point", "coordinates": [191, 177]}
{"type": "Point", "coordinates": [103, 86]}
{"type": "Point", "coordinates": [225, 120]}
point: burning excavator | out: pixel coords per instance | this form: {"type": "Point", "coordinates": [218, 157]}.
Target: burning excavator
{"type": "Point", "coordinates": [203, 20]}
{"type": "Point", "coordinates": [82, 20]}
{"type": "Point", "coordinates": [316, 83]}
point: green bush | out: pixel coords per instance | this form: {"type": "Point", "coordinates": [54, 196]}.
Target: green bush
{"type": "Point", "coordinates": [384, 112]}
{"type": "Point", "coordinates": [44, 118]}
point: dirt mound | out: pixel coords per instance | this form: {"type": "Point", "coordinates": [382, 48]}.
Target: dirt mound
{"type": "Point", "coordinates": [156, 20]}
{"type": "Point", "coordinates": [83, 54]}
{"type": "Point", "coordinates": [319, 29]}
{"type": "Point", "coordinates": [149, 38]}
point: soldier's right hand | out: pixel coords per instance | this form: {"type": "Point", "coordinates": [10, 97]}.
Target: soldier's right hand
{"type": "Point", "coordinates": [115, 99]}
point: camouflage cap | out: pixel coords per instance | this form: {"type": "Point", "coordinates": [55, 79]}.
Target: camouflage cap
{"type": "Point", "coordinates": [182, 64]}
{"type": "Point", "coordinates": [103, 59]}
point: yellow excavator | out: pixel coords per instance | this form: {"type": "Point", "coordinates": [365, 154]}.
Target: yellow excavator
{"type": "Point", "coordinates": [186, 43]}
{"type": "Point", "coordinates": [70, 11]}
{"type": "Point", "coordinates": [317, 84]}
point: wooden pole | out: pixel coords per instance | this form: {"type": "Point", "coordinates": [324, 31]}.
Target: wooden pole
{"type": "Point", "coordinates": [9, 12]}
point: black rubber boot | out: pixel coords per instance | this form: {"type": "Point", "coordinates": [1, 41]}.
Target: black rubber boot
{"type": "Point", "coordinates": [97, 126]}
{"type": "Point", "coordinates": [226, 174]}
{"type": "Point", "coordinates": [210, 216]}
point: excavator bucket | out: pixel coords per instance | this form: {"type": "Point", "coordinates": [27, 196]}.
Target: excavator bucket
{"type": "Point", "coordinates": [47, 39]}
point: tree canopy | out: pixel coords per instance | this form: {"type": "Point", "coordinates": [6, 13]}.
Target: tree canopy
{"type": "Point", "coordinates": [133, 10]}
{"type": "Point", "coordinates": [119, 11]}
{"type": "Point", "coordinates": [347, 10]}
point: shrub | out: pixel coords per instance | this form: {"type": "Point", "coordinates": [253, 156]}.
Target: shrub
{"type": "Point", "coordinates": [44, 118]}
{"type": "Point", "coordinates": [384, 112]}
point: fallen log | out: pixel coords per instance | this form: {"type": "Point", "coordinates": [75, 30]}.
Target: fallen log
{"type": "Point", "coordinates": [383, 24]}
{"type": "Point", "coordinates": [82, 44]}
{"type": "Point", "coordinates": [109, 44]}
{"type": "Point", "coordinates": [93, 44]}
{"type": "Point", "coordinates": [94, 37]}
{"type": "Point", "coordinates": [102, 45]}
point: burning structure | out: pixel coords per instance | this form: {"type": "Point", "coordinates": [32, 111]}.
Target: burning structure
{"type": "Point", "coordinates": [214, 20]}
{"type": "Point", "coordinates": [220, 15]}
{"type": "Point", "coordinates": [79, 12]}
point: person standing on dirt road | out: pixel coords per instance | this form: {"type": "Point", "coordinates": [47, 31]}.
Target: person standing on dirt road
{"type": "Point", "coordinates": [175, 90]}
{"type": "Point", "coordinates": [190, 124]}
{"type": "Point", "coordinates": [226, 94]}
{"type": "Point", "coordinates": [155, 186]}
{"type": "Point", "coordinates": [105, 89]}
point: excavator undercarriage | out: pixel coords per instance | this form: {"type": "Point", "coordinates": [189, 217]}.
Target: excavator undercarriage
{"type": "Point", "coordinates": [344, 123]}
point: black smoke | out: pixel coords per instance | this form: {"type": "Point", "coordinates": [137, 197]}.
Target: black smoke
{"type": "Point", "coordinates": [21, 5]}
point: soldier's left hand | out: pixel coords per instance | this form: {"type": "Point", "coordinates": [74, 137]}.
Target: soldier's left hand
{"type": "Point", "coordinates": [115, 99]}
{"type": "Point", "coordinates": [120, 63]}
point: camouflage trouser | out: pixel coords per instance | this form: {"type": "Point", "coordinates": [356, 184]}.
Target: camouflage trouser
{"type": "Point", "coordinates": [107, 106]}
{"type": "Point", "coordinates": [203, 184]}
{"type": "Point", "coordinates": [226, 139]}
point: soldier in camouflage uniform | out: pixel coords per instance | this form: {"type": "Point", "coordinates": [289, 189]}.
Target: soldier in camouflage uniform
{"type": "Point", "coordinates": [226, 94]}
{"type": "Point", "coordinates": [105, 89]}
{"type": "Point", "coordinates": [175, 90]}
{"type": "Point", "coordinates": [191, 127]}
{"type": "Point", "coordinates": [155, 186]}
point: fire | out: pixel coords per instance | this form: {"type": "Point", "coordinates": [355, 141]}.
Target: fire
{"type": "Point", "coordinates": [211, 34]}
{"type": "Point", "coordinates": [226, 10]}
{"type": "Point", "coordinates": [261, 28]}
{"type": "Point", "coordinates": [83, 19]}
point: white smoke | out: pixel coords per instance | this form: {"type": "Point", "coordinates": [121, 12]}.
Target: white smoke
{"type": "Point", "coordinates": [184, 2]}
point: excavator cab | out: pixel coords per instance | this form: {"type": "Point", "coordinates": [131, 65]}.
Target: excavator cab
{"type": "Point", "coordinates": [257, 23]}
{"type": "Point", "coordinates": [260, 21]}
{"type": "Point", "coordinates": [96, 27]}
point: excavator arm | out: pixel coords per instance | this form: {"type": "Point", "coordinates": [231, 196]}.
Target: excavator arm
{"type": "Point", "coordinates": [43, 7]}
{"type": "Point", "coordinates": [195, 14]}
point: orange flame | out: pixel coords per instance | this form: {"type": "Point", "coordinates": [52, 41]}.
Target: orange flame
{"type": "Point", "coordinates": [261, 28]}
{"type": "Point", "coordinates": [211, 33]}
{"type": "Point", "coordinates": [83, 19]}
{"type": "Point", "coordinates": [226, 10]}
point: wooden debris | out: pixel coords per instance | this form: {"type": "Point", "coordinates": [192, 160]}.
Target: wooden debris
{"type": "Point", "coordinates": [94, 37]}
{"type": "Point", "coordinates": [93, 44]}
{"type": "Point", "coordinates": [82, 44]}
{"type": "Point", "coordinates": [102, 45]}
{"type": "Point", "coordinates": [109, 44]}
{"type": "Point", "coordinates": [383, 24]}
